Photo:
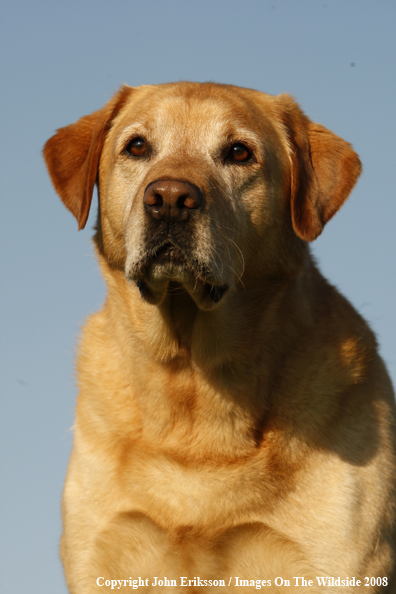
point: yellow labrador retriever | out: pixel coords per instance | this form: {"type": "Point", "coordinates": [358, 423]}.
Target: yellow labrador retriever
{"type": "Point", "coordinates": [235, 424]}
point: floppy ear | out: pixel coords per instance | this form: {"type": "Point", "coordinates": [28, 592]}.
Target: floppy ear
{"type": "Point", "coordinates": [72, 156]}
{"type": "Point", "coordinates": [325, 168]}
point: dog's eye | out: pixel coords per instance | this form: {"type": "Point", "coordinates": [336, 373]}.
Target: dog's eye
{"type": "Point", "coordinates": [137, 147]}
{"type": "Point", "coordinates": [239, 153]}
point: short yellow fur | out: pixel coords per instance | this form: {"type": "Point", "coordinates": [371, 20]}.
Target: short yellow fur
{"type": "Point", "coordinates": [253, 437]}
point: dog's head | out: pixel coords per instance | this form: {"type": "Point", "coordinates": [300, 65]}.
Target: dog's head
{"type": "Point", "coordinates": [201, 185]}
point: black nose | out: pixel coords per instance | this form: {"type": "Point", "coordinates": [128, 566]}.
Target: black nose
{"type": "Point", "coordinates": [171, 199]}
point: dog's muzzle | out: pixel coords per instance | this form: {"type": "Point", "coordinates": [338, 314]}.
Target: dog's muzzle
{"type": "Point", "coordinates": [172, 210]}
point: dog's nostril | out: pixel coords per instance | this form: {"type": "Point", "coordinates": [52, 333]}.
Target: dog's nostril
{"type": "Point", "coordinates": [192, 200]}
{"type": "Point", "coordinates": [158, 199]}
{"type": "Point", "coordinates": [153, 199]}
{"type": "Point", "coordinates": [183, 201]}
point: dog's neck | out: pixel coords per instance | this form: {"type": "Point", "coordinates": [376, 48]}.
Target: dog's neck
{"type": "Point", "coordinates": [178, 331]}
{"type": "Point", "coordinates": [227, 362]}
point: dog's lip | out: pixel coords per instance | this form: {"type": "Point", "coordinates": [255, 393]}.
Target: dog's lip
{"type": "Point", "coordinates": [168, 252]}
{"type": "Point", "coordinates": [166, 255]}
{"type": "Point", "coordinates": [206, 298]}
{"type": "Point", "coordinates": [215, 292]}
{"type": "Point", "coordinates": [168, 263]}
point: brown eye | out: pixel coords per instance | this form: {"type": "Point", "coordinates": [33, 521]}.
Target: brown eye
{"type": "Point", "coordinates": [239, 153]}
{"type": "Point", "coordinates": [137, 147]}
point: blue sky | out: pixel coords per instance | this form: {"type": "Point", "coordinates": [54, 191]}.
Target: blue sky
{"type": "Point", "coordinates": [63, 59]}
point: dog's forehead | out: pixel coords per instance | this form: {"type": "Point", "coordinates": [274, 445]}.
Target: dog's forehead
{"type": "Point", "coordinates": [194, 108]}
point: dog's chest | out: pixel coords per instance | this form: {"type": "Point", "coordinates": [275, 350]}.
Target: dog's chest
{"type": "Point", "coordinates": [175, 495]}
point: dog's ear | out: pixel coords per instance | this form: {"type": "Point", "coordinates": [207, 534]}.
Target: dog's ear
{"type": "Point", "coordinates": [72, 156]}
{"type": "Point", "coordinates": [324, 170]}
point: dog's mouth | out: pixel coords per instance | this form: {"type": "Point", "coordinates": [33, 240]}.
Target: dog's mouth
{"type": "Point", "coordinates": [209, 293]}
{"type": "Point", "coordinates": [169, 254]}
{"type": "Point", "coordinates": [166, 266]}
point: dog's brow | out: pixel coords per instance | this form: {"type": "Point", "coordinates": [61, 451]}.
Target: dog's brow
{"type": "Point", "coordinates": [243, 133]}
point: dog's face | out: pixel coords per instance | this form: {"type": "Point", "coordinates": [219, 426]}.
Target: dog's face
{"type": "Point", "coordinates": [190, 182]}
{"type": "Point", "coordinates": [201, 185]}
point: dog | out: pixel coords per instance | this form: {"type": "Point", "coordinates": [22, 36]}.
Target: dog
{"type": "Point", "coordinates": [235, 425]}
